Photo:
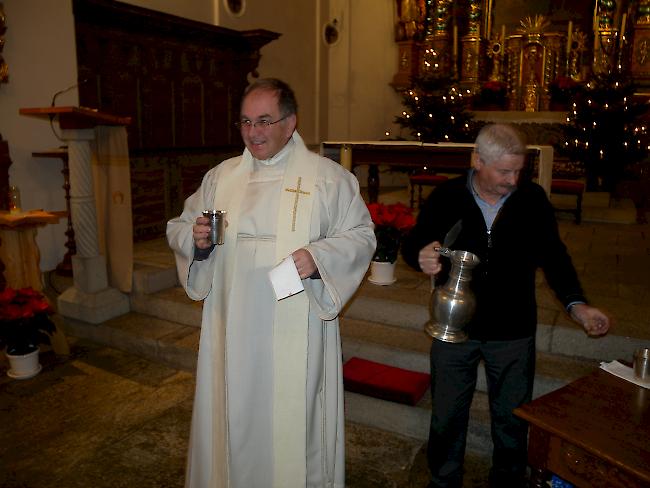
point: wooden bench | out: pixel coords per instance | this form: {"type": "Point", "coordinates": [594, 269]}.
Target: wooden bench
{"type": "Point", "coordinates": [423, 179]}
{"type": "Point", "coordinates": [570, 187]}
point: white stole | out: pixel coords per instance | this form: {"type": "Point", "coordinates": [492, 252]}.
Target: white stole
{"type": "Point", "coordinates": [291, 314]}
{"type": "Point", "coordinates": [290, 326]}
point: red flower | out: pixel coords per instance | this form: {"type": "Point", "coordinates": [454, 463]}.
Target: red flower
{"type": "Point", "coordinates": [394, 215]}
{"type": "Point", "coordinates": [391, 223]}
{"type": "Point", "coordinates": [24, 321]}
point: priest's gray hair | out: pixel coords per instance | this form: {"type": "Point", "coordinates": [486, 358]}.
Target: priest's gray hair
{"type": "Point", "coordinates": [286, 97]}
{"type": "Point", "coordinates": [496, 140]}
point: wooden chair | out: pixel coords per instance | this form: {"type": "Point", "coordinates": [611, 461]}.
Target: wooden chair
{"type": "Point", "coordinates": [570, 187]}
{"type": "Point", "coordinates": [423, 179]}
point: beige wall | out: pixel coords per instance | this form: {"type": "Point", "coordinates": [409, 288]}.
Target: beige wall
{"type": "Point", "coordinates": [40, 51]}
{"type": "Point", "coordinates": [199, 10]}
{"type": "Point", "coordinates": [361, 103]}
{"type": "Point", "coordinates": [342, 90]}
{"type": "Point", "coordinates": [294, 57]}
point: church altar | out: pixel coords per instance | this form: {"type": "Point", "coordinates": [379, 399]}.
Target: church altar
{"type": "Point", "coordinates": [447, 157]}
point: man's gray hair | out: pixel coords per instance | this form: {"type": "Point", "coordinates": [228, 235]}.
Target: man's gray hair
{"type": "Point", "coordinates": [496, 140]}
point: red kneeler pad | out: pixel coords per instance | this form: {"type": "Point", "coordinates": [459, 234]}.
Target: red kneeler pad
{"type": "Point", "coordinates": [383, 381]}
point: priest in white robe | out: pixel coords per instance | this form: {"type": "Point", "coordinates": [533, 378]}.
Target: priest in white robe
{"type": "Point", "coordinates": [268, 409]}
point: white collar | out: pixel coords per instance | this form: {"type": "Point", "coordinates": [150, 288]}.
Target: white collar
{"type": "Point", "coordinates": [281, 154]}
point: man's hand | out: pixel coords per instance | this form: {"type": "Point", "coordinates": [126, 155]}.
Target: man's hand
{"type": "Point", "coordinates": [429, 259]}
{"type": "Point", "coordinates": [595, 322]}
{"type": "Point", "coordinates": [201, 233]}
{"type": "Point", "coordinates": [304, 263]}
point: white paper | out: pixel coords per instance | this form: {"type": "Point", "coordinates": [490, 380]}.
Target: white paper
{"type": "Point", "coordinates": [285, 279]}
{"type": "Point", "coordinates": [625, 372]}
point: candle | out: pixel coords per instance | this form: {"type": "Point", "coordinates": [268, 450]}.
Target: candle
{"type": "Point", "coordinates": [454, 51]}
{"type": "Point", "coordinates": [503, 37]}
{"type": "Point", "coordinates": [623, 22]}
{"type": "Point", "coordinates": [488, 27]}
{"type": "Point", "coordinates": [346, 157]}
{"type": "Point", "coordinates": [569, 39]}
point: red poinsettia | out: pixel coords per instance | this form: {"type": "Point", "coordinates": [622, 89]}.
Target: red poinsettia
{"type": "Point", "coordinates": [391, 223]}
{"type": "Point", "coordinates": [24, 320]}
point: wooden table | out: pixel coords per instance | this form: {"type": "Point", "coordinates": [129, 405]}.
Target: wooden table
{"type": "Point", "coordinates": [18, 249]}
{"type": "Point", "coordinates": [448, 157]}
{"type": "Point", "coordinates": [594, 432]}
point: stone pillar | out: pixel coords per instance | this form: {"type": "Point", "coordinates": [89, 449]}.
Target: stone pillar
{"type": "Point", "coordinates": [90, 298]}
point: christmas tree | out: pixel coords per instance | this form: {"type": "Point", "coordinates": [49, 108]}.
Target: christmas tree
{"type": "Point", "coordinates": [604, 130]}
{"type": "Point", "coordinates": [435, 110]}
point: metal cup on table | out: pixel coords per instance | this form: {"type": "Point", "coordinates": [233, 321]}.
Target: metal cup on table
{"type": "Point", "coordinates": [217, 225]}
{"type": "Point", "coordinates": [642, 364]}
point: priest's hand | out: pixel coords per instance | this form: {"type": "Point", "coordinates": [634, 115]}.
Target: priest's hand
{"type": "Point", "coordinates": [429, 259]}
{"type": "Point", "coordinates": [201, 233]}
{"type": "Point", "coordinates": [304, 263]}
{"type": "Point", "coordinates": [595, 322]}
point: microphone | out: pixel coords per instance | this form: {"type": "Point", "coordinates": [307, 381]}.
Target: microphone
{"type": "Point", "coordinates": [66, 90]}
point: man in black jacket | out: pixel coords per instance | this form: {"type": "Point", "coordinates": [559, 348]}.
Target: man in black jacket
{"type": "Point", "coordinates": [510, 225]}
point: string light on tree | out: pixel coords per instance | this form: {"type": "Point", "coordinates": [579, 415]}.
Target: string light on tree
{"type": "Point", "coordinates": [602, 131]}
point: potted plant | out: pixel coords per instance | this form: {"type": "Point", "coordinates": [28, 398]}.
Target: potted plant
{"type": "Point", "coordinates": [493, 95]}
{"type": "Point", "coordinates": [391, 223]}
{"type": "Point", "coordinates": [24, 324]}
{"type": "Point", "coordinates": [562, 90]}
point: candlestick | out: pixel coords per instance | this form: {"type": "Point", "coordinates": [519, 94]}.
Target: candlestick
{"type": "Point", "coordinates": [569, 40]}
{"type": "Point", "coordinates": [623, 22]}
{"type": "Point", "coordinates": [454, 51]}
{"type": "Point", "coordinates": [346, 157]}
{"type": "Point", "coordinates": [503, 38]}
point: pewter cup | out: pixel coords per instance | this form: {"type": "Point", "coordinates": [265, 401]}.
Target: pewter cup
{"type": "Point", "coordinates": [642, 364]}
{"type": "Point", "coordinates": [217, 225]}
{"type": "Point", "coordinates": [452, 305]}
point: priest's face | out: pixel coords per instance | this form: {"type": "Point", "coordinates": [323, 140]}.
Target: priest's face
{"type": "Point", "coordinates": [264, 128]}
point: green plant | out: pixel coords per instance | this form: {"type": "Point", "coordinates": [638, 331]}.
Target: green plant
{"type": "Point", "coordinates": [435, 110]}
{"type": "Point", "coordinates": [605, 130]}
{"type": "Point", "coordinates": [391, 223]}
{"type": "Point", "coordinates": [563, 89]}
{"type": "Point", "coordinates": [491, 93]}
{"type": "Point", "coordinates": [24, 320]}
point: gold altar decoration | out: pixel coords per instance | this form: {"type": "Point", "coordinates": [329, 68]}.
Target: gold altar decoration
{"type": "Point", "coordinates": [438, 39]}
{"type": "Point", "coordinates": [4, 69]}
{"type": "Point", "coordinates": [465, 38]}
{"type": "Point", "coordinates": [640, 58]}
{"type": "Point", "coordinates": [535, 60]}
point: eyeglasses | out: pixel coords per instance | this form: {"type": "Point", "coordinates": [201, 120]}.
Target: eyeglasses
{"type": "Point", "coordinates": [262, 123]}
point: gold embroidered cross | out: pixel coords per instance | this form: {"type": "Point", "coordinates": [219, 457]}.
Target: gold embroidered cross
{"type": "Point", "coordinates": [298, 192]}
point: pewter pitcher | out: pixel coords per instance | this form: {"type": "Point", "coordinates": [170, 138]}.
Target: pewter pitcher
{"type": "Point", "coordinates": [452, 305]}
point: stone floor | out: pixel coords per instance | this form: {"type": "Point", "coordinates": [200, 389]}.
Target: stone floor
{"type": "Point", "coordinates": [103, 418]}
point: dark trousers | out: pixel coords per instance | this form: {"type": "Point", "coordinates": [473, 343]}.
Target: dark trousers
{"type": "Point", "coordinates": [510, 370]}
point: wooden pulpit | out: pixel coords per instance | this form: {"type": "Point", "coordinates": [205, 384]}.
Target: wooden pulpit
{"type": "Point", "coordinates": [90, 299]}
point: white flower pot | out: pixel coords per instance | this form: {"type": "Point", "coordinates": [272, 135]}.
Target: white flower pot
{"type": "Point", "coordinates": [23, 366]}
{"type": "Point", "coordinates": [382, 273]}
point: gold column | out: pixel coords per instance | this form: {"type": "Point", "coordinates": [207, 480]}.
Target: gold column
{"type": "Point", "coordinates": [605, 37]}
{"type": "Point", "coordinates": [640, 62]}
{"type": "Point", "coordinates": [472, 69]}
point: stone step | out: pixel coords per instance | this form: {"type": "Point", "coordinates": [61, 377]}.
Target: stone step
{"type": "Point", "coordinates": [164, 341]}
{"type": "Point", "coordinates": [176, 345]}
{"type": "Point", "coordinates": [151, 277]}
{"type": "Point", "coordinates": [413, 421]}
{"type": "Point", "coordinates": [410, 350]}
{"type": "Point", "coordinates": [404, 304]}
{"type": "Point", "coordinates": [171, 304]}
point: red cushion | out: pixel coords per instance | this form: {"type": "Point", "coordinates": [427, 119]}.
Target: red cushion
{"type": "Point", "coordinates": [384, 381]}
{"type": "Point", "coordinates": [570, 187]}
{"type": "Point", "coordinates": [427, 179]}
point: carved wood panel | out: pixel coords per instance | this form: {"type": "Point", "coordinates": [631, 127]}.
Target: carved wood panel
{"type": "Point", "coordinates": [180, 81]}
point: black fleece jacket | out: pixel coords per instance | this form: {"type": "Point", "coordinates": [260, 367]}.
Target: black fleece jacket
{"type": "Point", "coordinates": [524, 237]}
